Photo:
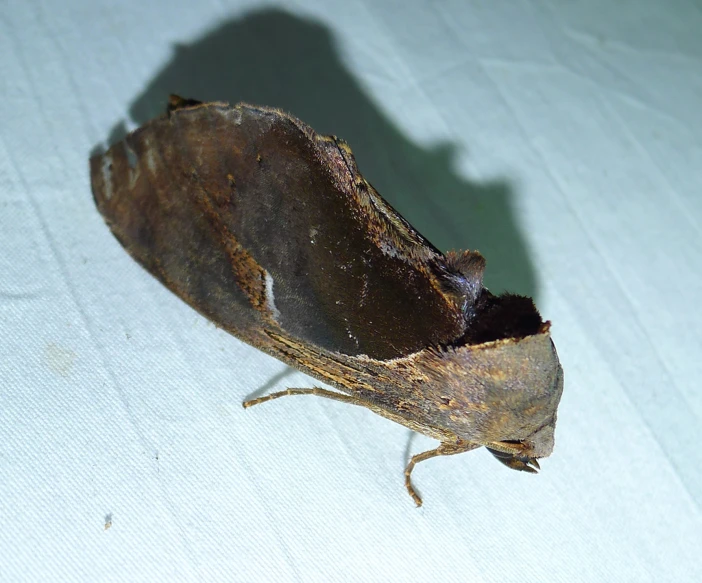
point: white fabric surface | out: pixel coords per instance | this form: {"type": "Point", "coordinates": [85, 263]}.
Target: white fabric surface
{"type": "Point", "coordinates": [562, 139]}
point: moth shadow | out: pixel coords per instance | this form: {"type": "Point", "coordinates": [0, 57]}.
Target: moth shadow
{"type": "Point", "coordinates": [266, 387]}
{"type": "Point", "coordinates": [272, 57]}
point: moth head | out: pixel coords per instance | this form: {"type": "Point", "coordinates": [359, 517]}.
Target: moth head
{"type": "Point", "coordinates": [502, 394]}
{"type": "Point", "coordinates": [522, 455]}
{"type": "Point", "coordinates": [527, 420]}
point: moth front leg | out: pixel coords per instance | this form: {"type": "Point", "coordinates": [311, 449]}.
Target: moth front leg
{"type": "Point", "coordinates": [443, 449]}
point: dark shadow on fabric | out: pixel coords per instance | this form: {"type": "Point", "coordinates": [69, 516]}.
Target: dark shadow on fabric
{"type": "Point", "coordinates": [266, 387]}
{"type": "Point", "coordinates": [274, 58]}
{"type": "Point", "coordinates": [411, 437]}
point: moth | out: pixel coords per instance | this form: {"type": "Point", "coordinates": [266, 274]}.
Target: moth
{"type": "Point", "coordinates": [269, 230]}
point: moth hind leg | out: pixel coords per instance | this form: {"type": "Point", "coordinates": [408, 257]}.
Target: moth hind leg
{"type": "Point", "coordinates": [313, 391]}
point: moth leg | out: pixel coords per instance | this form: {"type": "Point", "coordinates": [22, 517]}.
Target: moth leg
{"type": "Point", "coordinates": [509, 447]}
{"type": "Point", "coordinates": [313, 391]}
{"type": "Point", "coordinates": [446, 448]}
{"type": "Point", "coordinates": [443, 449]}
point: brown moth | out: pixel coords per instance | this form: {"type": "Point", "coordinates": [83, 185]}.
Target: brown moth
{"type": "Point", "coordinates": [270, 231]}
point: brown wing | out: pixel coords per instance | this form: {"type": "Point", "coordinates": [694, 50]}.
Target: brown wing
{"type": "Point", "coordinates": [251, 217]}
